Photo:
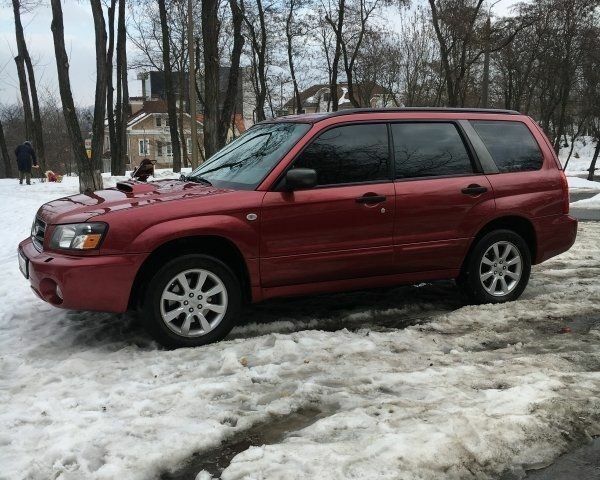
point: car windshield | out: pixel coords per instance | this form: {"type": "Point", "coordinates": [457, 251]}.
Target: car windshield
{"type": "Point", "coordinates": [246, 161]}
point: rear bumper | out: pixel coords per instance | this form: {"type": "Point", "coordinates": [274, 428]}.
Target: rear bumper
{"type": "Point", "coordinates": [555, 235]}
{"type": "Point", "coordinates": [101, 283]}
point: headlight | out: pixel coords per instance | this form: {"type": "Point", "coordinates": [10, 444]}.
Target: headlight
{"type": "Point", "coordinates": [78, 236]}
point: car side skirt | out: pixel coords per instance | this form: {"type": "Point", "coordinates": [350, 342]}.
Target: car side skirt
{"type": "Point", "coordinates": [260, 294]}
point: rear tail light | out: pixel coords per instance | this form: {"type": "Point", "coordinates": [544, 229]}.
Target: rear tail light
{"type": "Point", "coordinates": [565, 188]}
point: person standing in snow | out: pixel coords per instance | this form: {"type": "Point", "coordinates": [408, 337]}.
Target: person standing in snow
{"type": "Point", "coordinates": [25, 160]}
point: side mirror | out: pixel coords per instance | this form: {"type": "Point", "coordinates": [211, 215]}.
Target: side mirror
{"type": "Point", "coordinates": [300, 179]}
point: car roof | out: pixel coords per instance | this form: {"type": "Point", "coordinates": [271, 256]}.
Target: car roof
{"type": "Point", "coordinates": [318, 117]}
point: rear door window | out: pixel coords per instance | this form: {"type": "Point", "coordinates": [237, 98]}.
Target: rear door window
{"type": "Point", "coordinates": [429, 150]}
{"type": "Point", "coordinates": [348, 154]}
{"type": "Point", "coordinates": [510, 144]}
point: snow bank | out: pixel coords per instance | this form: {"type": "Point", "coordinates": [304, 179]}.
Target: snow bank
{"type": "Point", "coordinates": [592, 203]}
{"type": "Point", "coordinates": [465, 392]}
{"type": "Point", "coordinates": [581, 184]}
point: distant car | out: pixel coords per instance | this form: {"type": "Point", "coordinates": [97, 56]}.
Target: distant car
{"type": "Point", "coordinates": [310, 204]}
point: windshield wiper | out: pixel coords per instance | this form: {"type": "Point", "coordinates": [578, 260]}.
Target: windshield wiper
{"type": "Point", "coordinates": [195, 179]}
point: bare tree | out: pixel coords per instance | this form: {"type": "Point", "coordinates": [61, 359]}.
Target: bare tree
{"type": "Point", "coordinates": [334, 13]}
{"type": "Point", "coordinates": [293, 29]}
{"type": "Point", "coordinates": [101, 80]}
{"type": "Point", "coordinates": [28, 88]}
{"type": "Point", "coordinates": [116, 160]}
{"type": "Point", "coordinates": [257, 35]}
{"type": "Point", "coordinates": [228, 110]}
{"type": "Point", "coordinates": [171, 107]}
{"type": "Point", "coordinates": [210, 37]}
{"type": "Point", "coordinates": [89, 179]}
{"type": "Point", "coordinates": [6, 171]}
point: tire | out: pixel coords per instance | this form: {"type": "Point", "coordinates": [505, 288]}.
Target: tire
{"type": "Point", "coordinates": [488, 278]}
{"type": "Point", "coordinates": [176, 310]}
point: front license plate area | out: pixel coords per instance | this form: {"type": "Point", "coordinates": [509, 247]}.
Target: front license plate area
{"type": "Point", "coordinates": [23, 265]}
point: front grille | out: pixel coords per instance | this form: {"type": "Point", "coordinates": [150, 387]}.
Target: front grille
{"type": "Point", "coordinates": [38, 231]}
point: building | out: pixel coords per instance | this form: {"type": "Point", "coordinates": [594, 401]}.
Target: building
{"type": "Point", "coordinates": [317, 98]}
{"type": "Point", "coordinates": [149, 135]}
{"type": "Point", "coordinates": [148, 132]}
{"type": "Point", "coordinates": [153, 88]}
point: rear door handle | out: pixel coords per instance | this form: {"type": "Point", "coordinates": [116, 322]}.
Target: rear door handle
{"type": "Point", "coordinates": [371, 199]}
{"type": "Point", "coordinates": [474, 189]}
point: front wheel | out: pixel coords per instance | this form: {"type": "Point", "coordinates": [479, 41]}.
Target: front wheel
{"type": "Point", "coordinates": [497, 269]}
{"type": "Point", "coordinates": [192, 300]}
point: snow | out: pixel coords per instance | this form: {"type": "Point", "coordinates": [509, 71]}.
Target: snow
{"type": "Point", "coordinates": [584, 149]}
{"type": "Point", "coordinates": [592, 203]}
{"type": "Point", "coordinates": [581, 184]}
{"type": "Point", "coordinates": [414, 385]}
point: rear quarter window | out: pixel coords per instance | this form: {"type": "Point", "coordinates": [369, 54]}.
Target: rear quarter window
{"type": "Point", "coordinates": [511, 145]}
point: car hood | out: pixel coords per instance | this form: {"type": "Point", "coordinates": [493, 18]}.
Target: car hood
{"type": "Point", "coordinates": [130, 194]}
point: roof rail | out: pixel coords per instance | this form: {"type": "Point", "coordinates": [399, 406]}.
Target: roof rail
{"type": "Point", "coordinates": [350, 111]}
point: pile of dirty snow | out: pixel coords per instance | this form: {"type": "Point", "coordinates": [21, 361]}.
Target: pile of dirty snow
{"type": "Point", "coordinates": [404, 382]}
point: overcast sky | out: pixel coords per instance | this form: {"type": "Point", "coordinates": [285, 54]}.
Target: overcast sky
{"type": "Point", "coordinates": [79, 39]}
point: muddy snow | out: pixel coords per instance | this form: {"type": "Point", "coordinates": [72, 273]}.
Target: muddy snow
{"type": "Point", "coordinates": [403, 383]}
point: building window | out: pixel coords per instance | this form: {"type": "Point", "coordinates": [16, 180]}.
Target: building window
{"type": "Point", "coordinates": [159, 148]}
{"type": "Point", "coordinates": [158, 121]}
{"type": "Point", "coordinates": [144, 147]}
{"type": "Point", "coordinates": [166, 121]}
{"type": "Point", "coordinates": [169, 150]}
{"type": "Point", "coordinates": [189, 144]}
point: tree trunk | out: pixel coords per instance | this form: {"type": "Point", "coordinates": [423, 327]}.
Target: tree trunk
{"type": "Point", "coordinates": [125, 111]}
{"type": "Point", "coordinates": [290, 37]}
{"type": "Point", "coordinates": [337, 28]}
{"type": "Point", "coordinates": [259, 52]}
{"type": "Point", "coordinates": [210, 38]}
{"type": "Point", "coordinates": [20, 63]}
{"type": "Point", "coordinates": [485, 84]}
{"type": "Point", "coordinates": [115, 160]}
{"type": "Point", "coordinates": [166, 52]}
{"type": "Point", "coordinates": [35, 127]}
{"type": "Point", "coordinates": [101, 77]}
{"type": "Point", "coordinates": [87, 180]}
{"type": "Point", "coordinates": [234, 75]}
{"type": "Point", "coordinates": [592, 169]}
{"type": "Point", "coordinates": [7, 170]}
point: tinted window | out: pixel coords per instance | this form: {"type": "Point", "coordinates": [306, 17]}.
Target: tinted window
{"type": "Point", "coordinates": [249, 158]}
{"type": "Point", "coordinates": [429, 149]}
{"type": "Point", "coordinates": [510, 144]}
{"type": "Point", "coordinates": [349, 154]}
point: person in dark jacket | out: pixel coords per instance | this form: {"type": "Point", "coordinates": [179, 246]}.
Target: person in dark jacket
{"type": "Point", "coordinates": [25, 160]}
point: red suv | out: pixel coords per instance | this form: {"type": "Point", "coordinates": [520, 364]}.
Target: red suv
{"type": "Point", "coordinates": [310, 204]}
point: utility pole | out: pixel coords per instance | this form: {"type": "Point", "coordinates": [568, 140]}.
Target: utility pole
{"type": "Point", "coordinates": [192, 86]}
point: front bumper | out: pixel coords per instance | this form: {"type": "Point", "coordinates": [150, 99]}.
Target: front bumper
{"type": "Point", "coordinates": [101, 282]}
{"type": "Point", "coordinates": [556, 234]}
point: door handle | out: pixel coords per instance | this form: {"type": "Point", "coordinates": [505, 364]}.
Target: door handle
{"type": "Point", "coordinates": [474, 189]}
{"type": "Point", "coordinates": [371, 199]}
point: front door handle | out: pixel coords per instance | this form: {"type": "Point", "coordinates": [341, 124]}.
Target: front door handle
{"type": "Point", "coordinates": [474, 189]}
{"type": "Point", "coordinates": [371, 198]}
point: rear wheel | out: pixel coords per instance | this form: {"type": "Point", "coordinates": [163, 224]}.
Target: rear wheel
{"type": "Point", "coordinates": [192, 300]}
{"type": "Point", "coordinates": [497, 269]}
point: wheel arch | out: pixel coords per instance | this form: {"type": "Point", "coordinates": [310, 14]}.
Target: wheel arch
{"type": "Point", "coordinates": [216, 246]}
{"type": "Point", "coordinates": [518, 224]}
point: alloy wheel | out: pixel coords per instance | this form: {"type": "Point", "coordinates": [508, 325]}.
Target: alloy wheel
{"type": "Point", "coordinates": [193, 303]}
{"type": "Point", "coordinates": [500, 268]}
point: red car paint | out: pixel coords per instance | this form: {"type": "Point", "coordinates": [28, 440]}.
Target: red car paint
{"type": "Point", "coordinates": [306, 241]}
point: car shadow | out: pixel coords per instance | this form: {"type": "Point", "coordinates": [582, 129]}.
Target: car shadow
{"type": "Point", "coordinates": [377, 309]}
